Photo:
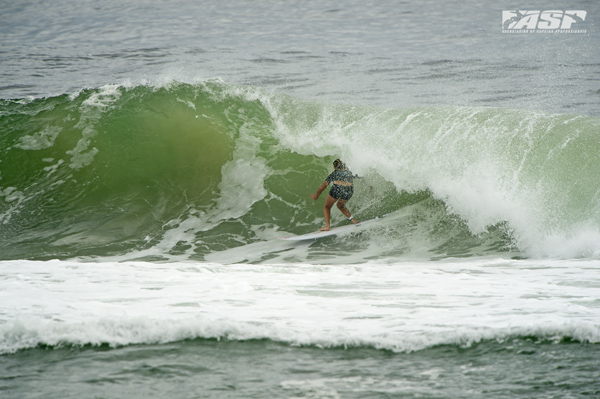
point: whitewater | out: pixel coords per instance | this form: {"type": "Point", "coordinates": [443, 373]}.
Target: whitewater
{"type": "Point", "coordinates": [385, 306]}
{"type": "Point", "coordinates": [152, 155]}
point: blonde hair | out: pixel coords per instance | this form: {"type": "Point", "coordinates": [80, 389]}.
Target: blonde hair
{"type": "Point", "coordinates": [338, 164]}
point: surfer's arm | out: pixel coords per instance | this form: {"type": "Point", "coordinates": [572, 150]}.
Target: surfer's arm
{"type": "Point", "coordinates": [319, 191]}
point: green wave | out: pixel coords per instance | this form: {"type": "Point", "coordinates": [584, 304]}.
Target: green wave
{"type": "Point", "coordinates": [190, 170]}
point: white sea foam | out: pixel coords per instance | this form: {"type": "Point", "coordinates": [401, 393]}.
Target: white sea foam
{"type": "Point", "coordinates": [489, 166]}
{"type": "Point", "coordinates": [397, 306]}
{"type": "Point", "coordinates": [40, 140]}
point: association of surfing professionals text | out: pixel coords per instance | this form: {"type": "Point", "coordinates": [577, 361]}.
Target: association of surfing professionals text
{"type": "Point", "coordinates": [548, 21]}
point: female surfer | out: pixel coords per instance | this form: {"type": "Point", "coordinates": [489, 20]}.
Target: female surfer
{"type": "Point", "coordinates": [341, 191]}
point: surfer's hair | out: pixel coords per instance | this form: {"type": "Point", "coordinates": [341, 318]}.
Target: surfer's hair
{"type": "Point", "coordinates": [338, 164]}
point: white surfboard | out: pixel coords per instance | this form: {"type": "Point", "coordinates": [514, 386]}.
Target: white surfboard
{"type": "Point", "coordinates": [331, 232]}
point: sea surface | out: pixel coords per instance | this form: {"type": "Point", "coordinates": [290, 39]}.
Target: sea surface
{"type": "Point", "coordinates": [152, 153]}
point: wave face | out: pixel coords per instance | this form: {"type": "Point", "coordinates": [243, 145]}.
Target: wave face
{"type": "Point", "coordinates": [216, 171]}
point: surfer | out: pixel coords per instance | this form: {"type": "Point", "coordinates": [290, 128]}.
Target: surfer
{"type": "Point", "coordinates": [341, 191]}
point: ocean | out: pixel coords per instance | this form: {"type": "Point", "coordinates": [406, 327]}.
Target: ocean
{"type": "Point", "coordinates": [152, 153]}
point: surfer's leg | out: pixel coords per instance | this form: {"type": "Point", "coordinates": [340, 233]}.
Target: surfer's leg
{"type": "Point", "coordinates": [329, 201]}
{"type": "Point", "coordinates": [342, 207]}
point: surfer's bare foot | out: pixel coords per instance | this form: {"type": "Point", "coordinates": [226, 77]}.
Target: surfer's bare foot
{"type": "Point", "coordinates": [355, 221]}
{"type": "Point", "coordinates": [326, 228]}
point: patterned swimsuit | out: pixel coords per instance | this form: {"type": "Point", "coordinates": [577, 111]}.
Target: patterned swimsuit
{"type": "Point", "coordinates": [338, 191]}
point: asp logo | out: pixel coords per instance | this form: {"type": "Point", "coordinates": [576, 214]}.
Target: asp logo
{"type": "Point", "coordinates": [550, 21]}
